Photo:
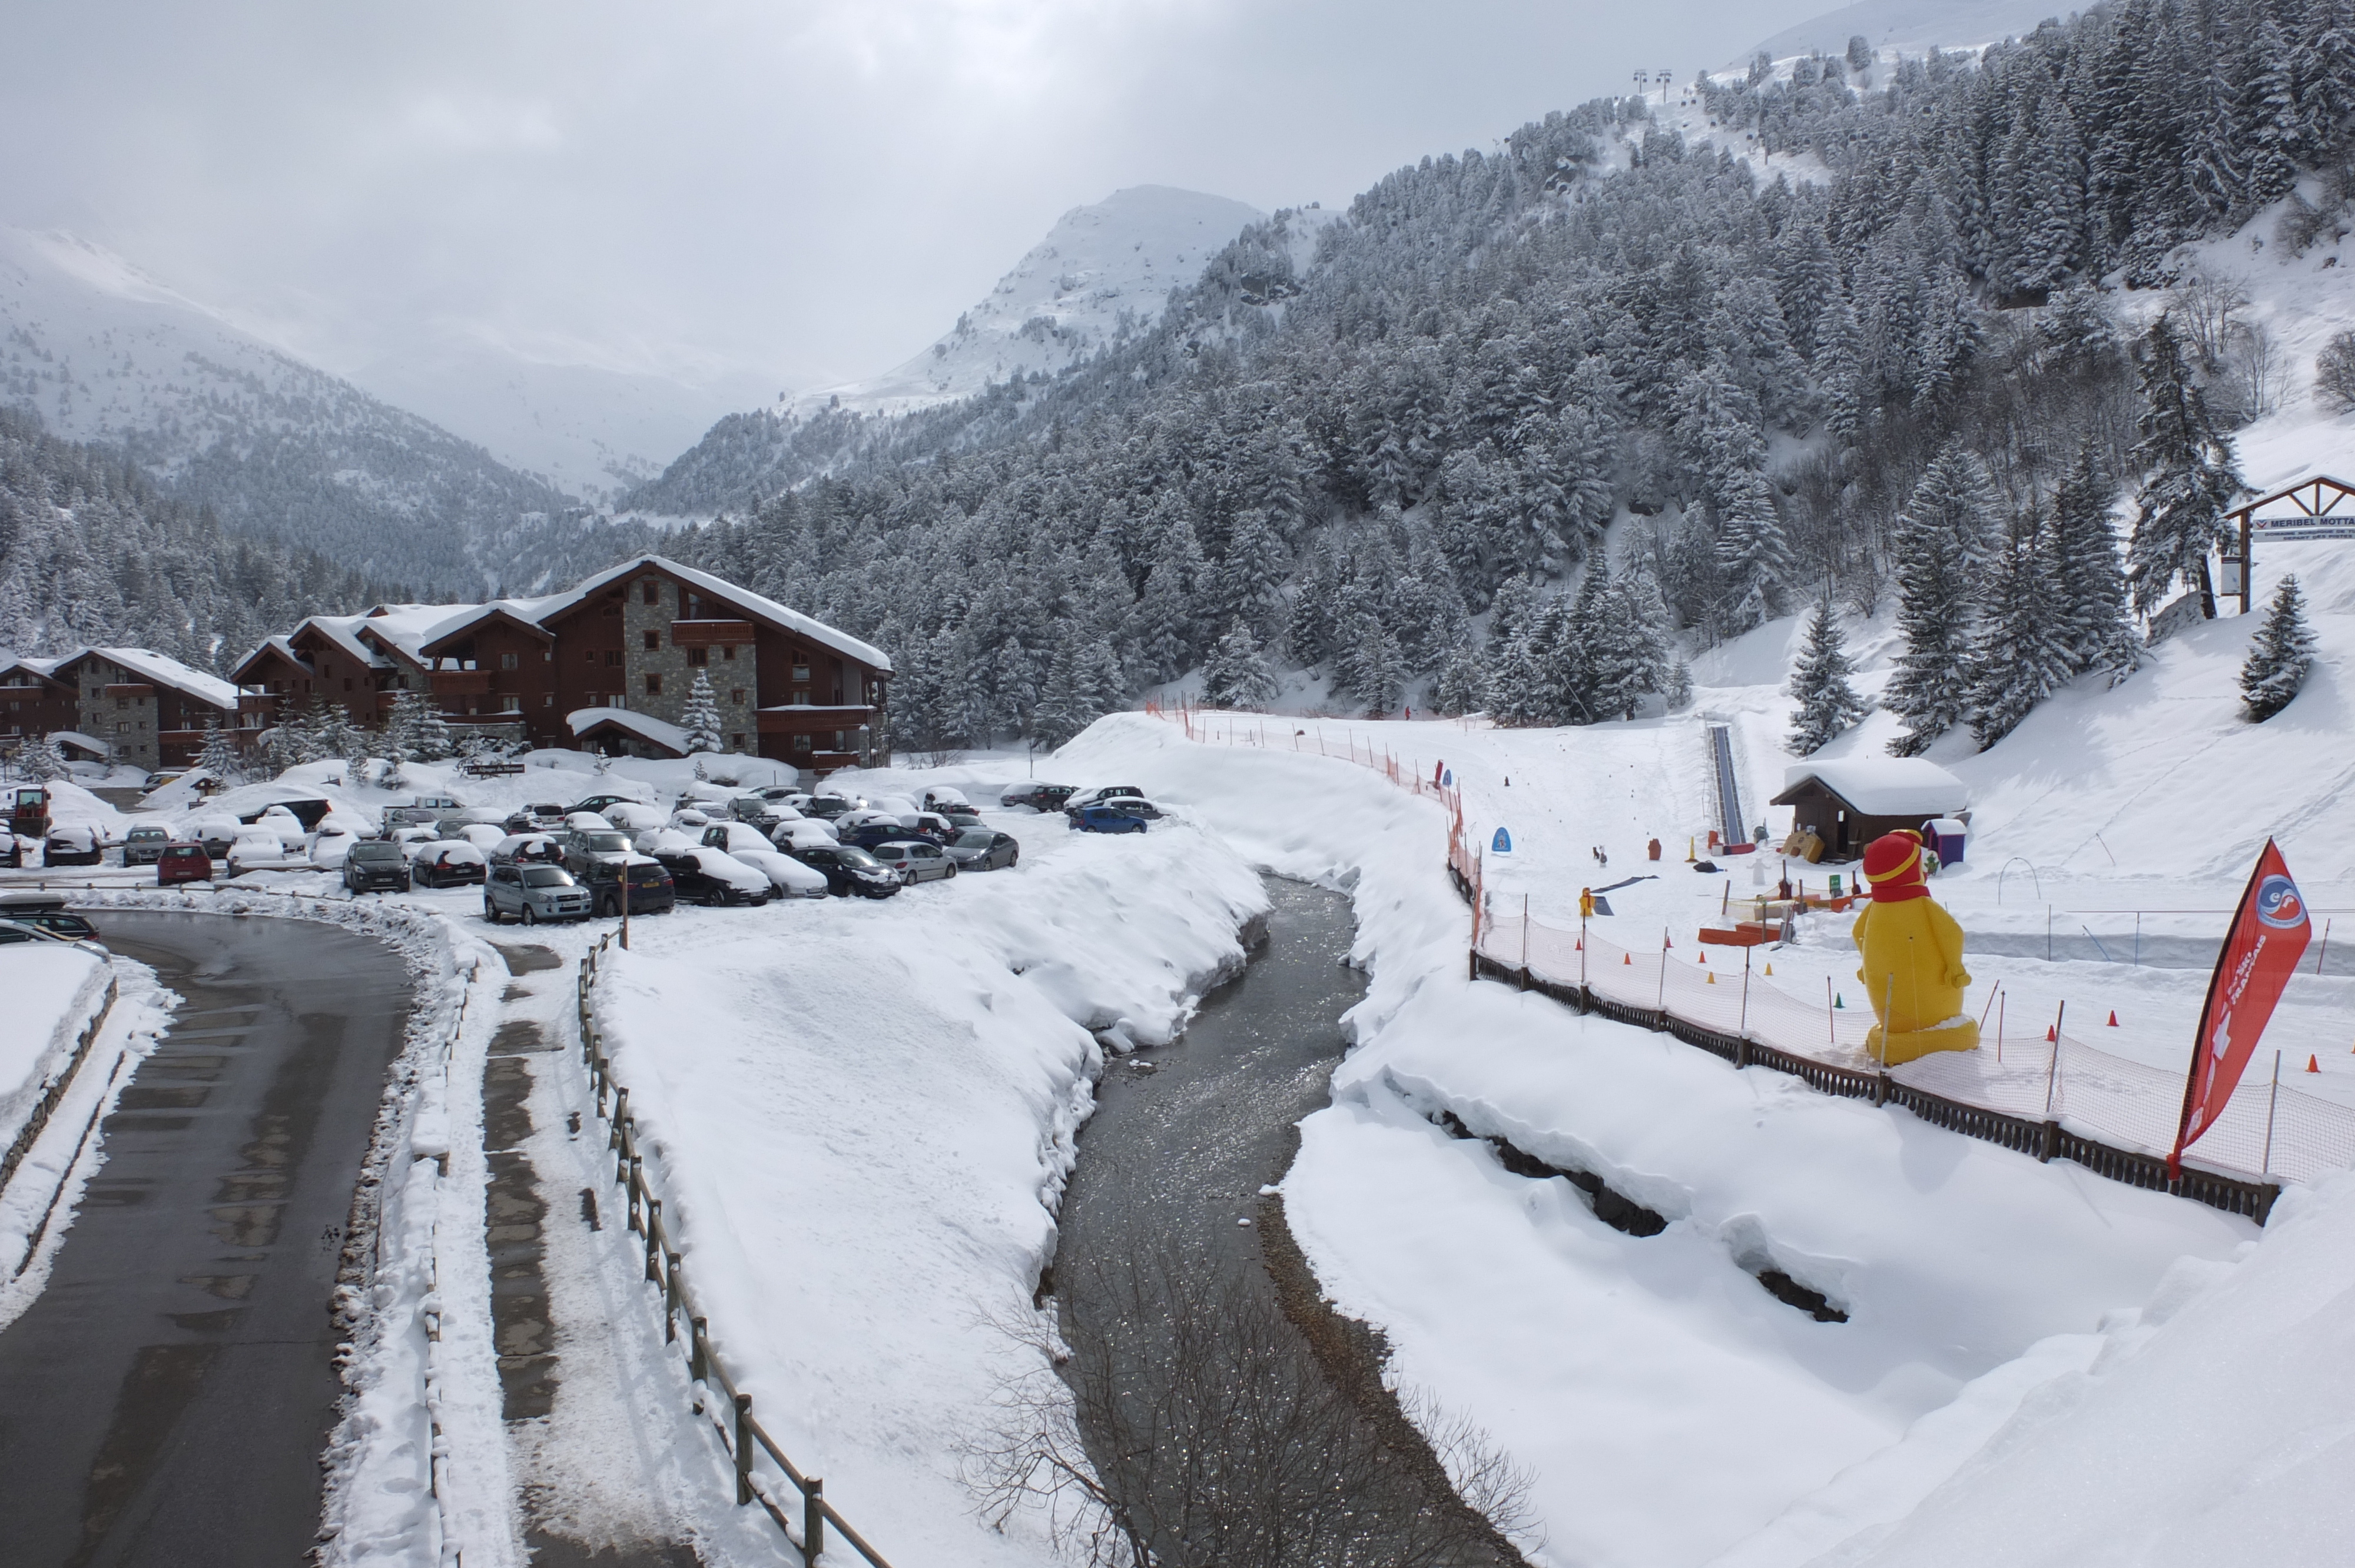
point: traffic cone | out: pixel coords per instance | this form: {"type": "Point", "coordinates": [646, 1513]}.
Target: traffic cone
{"type": "Point", "coordinates": [2113, 1018]}
{"type": "Point", "coordinates": [1838, 1000]}
{"type": "Point", "coordinates": [1711, 978]}
{"type": "Point", "coordinates": [2312, 1065]}
{"type": "Point", "coordinates": [1689, 856]}
{"type": "Point", "coordinates": [1626, 958]}
{"type": "Point", "coordinates": [1770, 970]}
{"type": "Point", "coordinates": [2050, 1038]}
{"type": "Point", "coordinates": [1704, 955]}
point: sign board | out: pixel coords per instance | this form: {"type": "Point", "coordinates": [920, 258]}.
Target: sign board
{"type": "Point", "coordinates": [2299, 526]}
{"type": "Point", "coordinates": [1504, 843]}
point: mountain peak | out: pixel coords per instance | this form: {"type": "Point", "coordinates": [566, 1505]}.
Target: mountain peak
{"type": "Point", "coordinates": [1103, 272]}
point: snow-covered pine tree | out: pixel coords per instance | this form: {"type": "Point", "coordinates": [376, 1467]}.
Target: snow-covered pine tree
{"type": "Point", "coordinates": [1819, 681]}
{"type": "Point", "coordinates": [218, 758]}
{"type": "Point", "coordinates": [1463, 684]}
{"type": "Point", "coordinates": [1237, 674]}
{"type": "Point", "coordinates": [1678, 695]}
{"type": "Point", "coordinates": [2189, 477]}
{"type": "Point", "coordinates": [1377, 669]}
{"type": "Point", "coordinates": [1247, 581]}
{"type": "Point", "coordinates": [2280, 657]}
{"type": "Point", "coordinates": [1630, 645]}
{"type": "Point", "coordinates": [700, 718]}
{"type": "Point", "coordinates": [38, 759]}
{"type": "Point", "coordinates": [2089, 586]}
{"type": "Point", "coordinates": [1757, 558]}
{"type": "Point", "coordinates": [2021, 654]}
{"type": "Point", "coordinates": [1940, 546]}
{"type": "Point", "coordinates": [1082, 685]}
{"type": "Point", "coordinates": [434, 741]}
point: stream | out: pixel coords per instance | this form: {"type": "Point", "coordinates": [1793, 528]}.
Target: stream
{"type": "Point", "coordinates": [1233, 1418]}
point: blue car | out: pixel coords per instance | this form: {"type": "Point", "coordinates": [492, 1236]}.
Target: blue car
{"type": "Point", "coordinates": [1105, 820]}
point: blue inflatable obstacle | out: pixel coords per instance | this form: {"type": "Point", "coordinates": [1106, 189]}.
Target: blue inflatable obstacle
{"type": "Point", "coordinates": [1503, 844]}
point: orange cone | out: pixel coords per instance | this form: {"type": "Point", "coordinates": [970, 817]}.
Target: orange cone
{"type": "Point", "coordinates": [2312, 1065]}
{"type": "Point", "coordinates": [1704, 956]}
{"type": "Point", "coordinates": [1626, 958]}
{"type": "Point", "coordinates": [1711, 978]}
{"type": "Point", "coordinates": [1770, 970]}
{"type": "Point", "coordinates": [2050, 1038]}
{"type": "Point", "coordinates": [2113, 1018]}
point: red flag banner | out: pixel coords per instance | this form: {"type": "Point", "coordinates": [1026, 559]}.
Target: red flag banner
{"type": "Point", "coordinates": [2270, 929]}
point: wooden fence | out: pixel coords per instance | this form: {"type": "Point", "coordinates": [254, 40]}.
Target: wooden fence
{"type": "Point", "coordinates": [739, 1432]}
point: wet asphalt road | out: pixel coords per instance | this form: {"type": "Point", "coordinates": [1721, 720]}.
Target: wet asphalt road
{"type": "Point", "coordinates": [166, 1400]}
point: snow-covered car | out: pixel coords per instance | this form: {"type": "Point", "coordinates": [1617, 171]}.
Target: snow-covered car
{"type": "Point", "coordinates": [423, 809]}
{"type": "Point", "coordinates": [375, 865]}
{"type": "Point", "coordinates": [482, 836]}
{"type": "Point", "coordinates": [941, 797]}
{"type": "Point", "coordinates": [689, 817]}
{"type": "Point", "coordinates": [755, 809]}
{"type": "Point", "coordinates": [735, 838]}
{"type": "Point", "coordinates": [545, 849]}
{"type": "Point", "coordinates": [632, 817]}
{"type": "Point", "coordinates": [1135, 806]}
{"type": "Point", "coordinates": [215, 834]}
{"type": "Point", "coordinates": [448, 863]}
{"type": "Point", "coordinates": [1097, 796]}
{"type": "Point", "coordinates": [532, 894]}
{"type": "Point", "coordinates": [1037, 795]}
{"type": "Point", "coordinates": [979, 849]}
{"type": "Point", "coordinates": [828, 805]}
{"type": "Point", "coordinates": [849, 870]}
{"type": "Point", "coordinates": [918, 860]}
{"type": "Point", "coordinates": [259, 849]}
{"type": "Point", "coordinates": [329, 848]}
{"type": "Point", "coordinates": [789, 877]}
{"type": "Point", "coordinates": [587, 823]}
{"type": "Point", "coordinates": [599, 803]}
{"type": "Point", "coordinates": [409, 837]}
{"type": "Point", "coordinates": [145, 844]}
{"type": "Point", "coordinates": [810, 833]}
{"type": "Point", "coordinates": [541, 817]}
{"type": "Point", "coordinates": [73, 843]}
{"type": "Point", "coordinates": [285, 823]}
{"type": "Point", "coordinates": [585, 850]}
{"type": "Point", "coordinates": [47, 911]}
{"type": "Point", "coordinates": [651, 890]}
{"type": "Point", "coordinates": [714, 877]}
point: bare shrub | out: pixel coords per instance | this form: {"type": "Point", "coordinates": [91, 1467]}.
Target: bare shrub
{"type": "Point", "coordinates": [1192, 1427]}
{"type": "Point", "coordinates": [2334, 374]}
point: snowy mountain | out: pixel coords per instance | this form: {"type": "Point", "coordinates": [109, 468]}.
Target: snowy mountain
{"type": "Point", "coordinates": [101, 352]}
{"type": "Point", "coordinates": [1910, 25]}
{"type": "Point", "coordinates": [1103, 273]}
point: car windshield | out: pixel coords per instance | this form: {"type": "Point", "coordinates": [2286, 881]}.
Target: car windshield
{"type": "Point", "coordinates": [545, 877]}
{"type": "Point", "coordinates": [375, 851]}
{"type": "Point", "coordinates": [146, 835]}
{"type": "Point", "coordinates": [606, 844]}
{"type": "Point", "coordinates": [973, 839]}
{"type": "Point", "coordinates": [848, 855]}
{"type": "Point", "coordinates": [648, 876]}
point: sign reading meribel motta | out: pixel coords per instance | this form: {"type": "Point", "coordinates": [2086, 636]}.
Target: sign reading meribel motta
{"type": "Point", "coordinates": [2270, 930]}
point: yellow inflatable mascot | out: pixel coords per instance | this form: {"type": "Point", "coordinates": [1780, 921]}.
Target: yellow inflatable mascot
{"type": "Point", "coordinates": [1913, 957]}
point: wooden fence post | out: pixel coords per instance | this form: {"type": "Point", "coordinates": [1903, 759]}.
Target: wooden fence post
{"type": "Point", "coordinates": [743, 1450]}
{"type": "Point", "coordinates": [654, 1239]}
{"type": "Point", "coordinates": [813, 1520]}
{"type": "Point", "coordinates": [699, 1348]}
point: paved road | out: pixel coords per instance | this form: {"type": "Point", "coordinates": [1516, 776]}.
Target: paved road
{"type": "Point", "coordinates": [166, 1400]}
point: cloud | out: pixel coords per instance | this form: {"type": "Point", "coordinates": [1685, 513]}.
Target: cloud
{"type": "Point", "coordinates": [810, 188]}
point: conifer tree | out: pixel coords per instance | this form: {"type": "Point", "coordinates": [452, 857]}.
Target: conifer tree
{"type": "Point", "coordinates": [1462, 685]}
{"type": "Point", "coordinates": [2280, 657]}
{"type": "Point", "coordinates": [433, 738]}
{"type": "Point", "coordinates": [2091, 614]}
{"type": "Point", "coordinates": [700, 718]}
{"type": "Point", "coordinates": [1236, 675]}
{"type": "Point", "coordinates": [218, 758]}
{"type": "Point", "coordinates": [1757, 559]}
{"type": "Point", "coordinates": [38, 760]}
{"type": "Point", "coordinates": [1940, 543]}
{"type": "Point", "coordinates": [2021, 655]}
{"type": "Point", "coordinates": [1678, 695]}
{"type": "Point", "coordinates": [1819, 681]}
{"type": "Point", "coordinates": [2189, 477]}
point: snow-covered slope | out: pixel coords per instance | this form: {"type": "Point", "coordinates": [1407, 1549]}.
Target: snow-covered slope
{"type": "Point", "coordinates": [103, 352]}
{"type": "Point", "coordinates": [1103, 271]}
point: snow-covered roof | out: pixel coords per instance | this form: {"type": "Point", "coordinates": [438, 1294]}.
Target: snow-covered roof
{"type": "Point", "coordinates": [644, 726]}
{"type": "Point", "coordinates": [278, 643]}
{"type": "Point", "coordinates": [768, 609]}
{"type": "Point", "coordinates": [1883, 786]}
{"type": "Point", "coordinates": [157, 669]}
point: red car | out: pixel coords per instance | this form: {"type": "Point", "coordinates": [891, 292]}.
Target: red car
{"type": "Point", "coordinates": [183, 862]}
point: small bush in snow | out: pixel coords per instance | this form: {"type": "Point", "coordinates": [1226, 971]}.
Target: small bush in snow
{"type": "Point", "coordinates": [2282, 654]}
{"type": "Point", "coordinates": [2334, 374]}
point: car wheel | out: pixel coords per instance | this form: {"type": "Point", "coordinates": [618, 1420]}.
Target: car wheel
{"type": "Point", "coordinates": [490, 912]}
{"type": "Point", "coordinates": [530, 919]}
{"type": "Point", "coordinates": [952, 870]}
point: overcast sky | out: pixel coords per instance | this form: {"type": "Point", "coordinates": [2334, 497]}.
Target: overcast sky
{"type": "Point", "coordinates": [812, 189]}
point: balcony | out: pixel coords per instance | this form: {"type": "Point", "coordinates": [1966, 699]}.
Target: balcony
{"type": "Point", "coordinates": [711, 633]}
{"type": "Point", "coordinates": [808, 719]}
{"type": "Point", "coordinates": [461, 683]}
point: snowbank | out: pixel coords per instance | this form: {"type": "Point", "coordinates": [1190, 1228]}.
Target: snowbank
{"type": "Point", "coordinates": [54, 991]}
{"type": "Point", "coordinates": [864, 1114]}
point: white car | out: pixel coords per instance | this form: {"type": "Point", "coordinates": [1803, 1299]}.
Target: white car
{"type": "Point", "coordinates": [738, 837]}
{"type": "Point", "coordinates": [482, 836]}
{"type": "Point", "coordinates": [941, 797]}
{"type": "Point", "coordinates": [688, 817]}
{"type": "Point", "coordinates": [286, 824]}
{"type": "Point", "coordinates": [257, 849]}
{"type": "Point", "coordinates": [217, 833]}
{"type": "Point", "coordinates": [632, 817]}
{"type": "Point", "coordinates": [810, 833]}
{"type": "Point", "coordinates": [587, 823]}
{"type": "Point", "coordinates": [727, 879]}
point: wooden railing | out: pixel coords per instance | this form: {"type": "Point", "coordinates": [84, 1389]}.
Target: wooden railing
{"type": "Point", "coordinates": [739, 1432]}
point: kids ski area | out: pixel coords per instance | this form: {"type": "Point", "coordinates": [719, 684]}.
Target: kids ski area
{"type": "Point", "coordinates": [1851, 1335]}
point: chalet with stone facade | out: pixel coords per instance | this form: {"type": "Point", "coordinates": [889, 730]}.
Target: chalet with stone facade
{"type": "Point", "coordinates": [610, 664]}
{"type": "Point", "coordinates": [132, 705]}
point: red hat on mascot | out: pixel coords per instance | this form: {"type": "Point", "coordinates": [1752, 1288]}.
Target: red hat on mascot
{"type": "Point", "coordinates": [1892, 865]}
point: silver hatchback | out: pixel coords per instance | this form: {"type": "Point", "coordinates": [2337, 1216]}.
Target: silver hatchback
{"type": "Point", "coordinates": [916, 860]}
{"type": "Point", "coordinates": [532, 894]}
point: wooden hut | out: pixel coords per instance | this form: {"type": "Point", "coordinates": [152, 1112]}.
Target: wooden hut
{"type": "Point", "coordinates": [1848, 804]}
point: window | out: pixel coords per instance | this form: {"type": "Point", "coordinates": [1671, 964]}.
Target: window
{"type": "Point", "coordinates": [697, 656]}
{"type": "Point", "coordinates": [800, 743]}
{"type": "Point", "coordinates": [506, 661]}
{"type": "Point", "coordinates": [347, 683]}
{"type": "Point", "coordinates": [652, 587]}
{"type": "Point", "coordinates": [653, 641]}
{"type": "Point", "coordinates": [735, 743]}
{"type": "Point", "coordinates": [548, 700]}
{"type": "Point", "coordinates": [122, 726]}
{"type": "Point", "coordinates": [736, 695]}
{"type": "Point", "coordinates": [121, 703]}
{"type": "Point", "coordinates": [800, 672]}
{"type": "Point", "coordinates": [612, 658]}
{"type": "Point", "coordinates": [728, 650]}
{"type": "Point", "coordinates": [590, 654]}
{"type": "Point", "coordinates": [653, 685]}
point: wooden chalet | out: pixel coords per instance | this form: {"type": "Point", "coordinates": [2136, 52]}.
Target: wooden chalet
{"type": "Point", "coordinates": [1848, 804]}
{"type": "Point", "coordinates": [140, 707]}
